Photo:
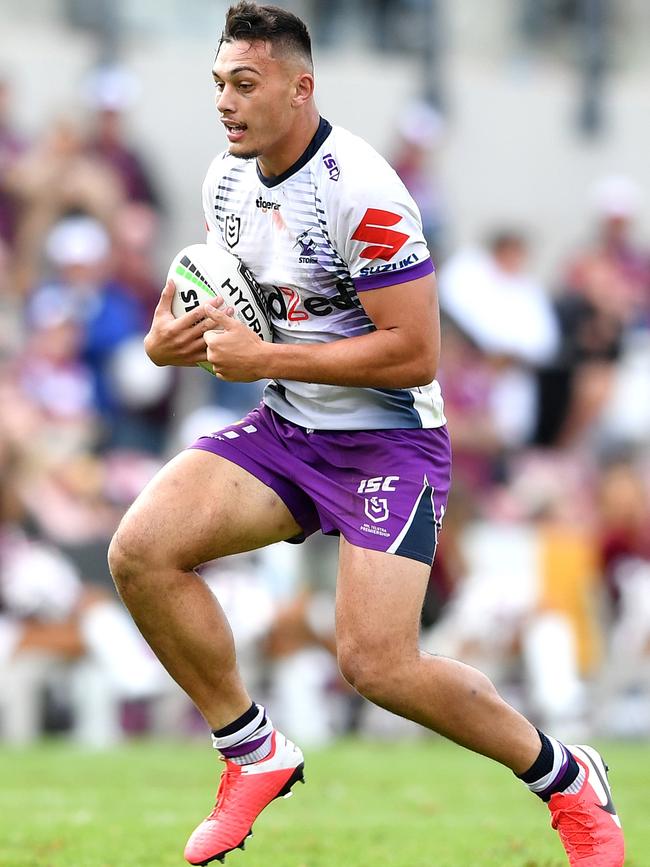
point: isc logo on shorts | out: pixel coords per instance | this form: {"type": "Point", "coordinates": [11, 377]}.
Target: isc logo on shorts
{"type": "Point", "coordinates": [379, 483]}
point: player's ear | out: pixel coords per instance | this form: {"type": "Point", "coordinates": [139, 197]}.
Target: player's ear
{"type": "Point", "coordinates": [303, 89]}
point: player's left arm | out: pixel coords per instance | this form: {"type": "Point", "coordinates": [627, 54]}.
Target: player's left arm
{"type": "Point", "coordinates": [402, 352]}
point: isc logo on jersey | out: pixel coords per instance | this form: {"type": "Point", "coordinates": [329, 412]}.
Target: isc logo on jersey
{"type": "Point", "coordinates": [285, 303]}
{"type": "Point", "coordinates": [330, 164]}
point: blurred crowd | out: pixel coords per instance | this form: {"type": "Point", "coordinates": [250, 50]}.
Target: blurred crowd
{"type": "Point", "coordinates": [547, 396]}
{"type": "Point", "coordinates": [543, 572]}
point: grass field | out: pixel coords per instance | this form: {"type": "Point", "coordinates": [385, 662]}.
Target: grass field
{"type": "Point", "coordinates": [422, 804]}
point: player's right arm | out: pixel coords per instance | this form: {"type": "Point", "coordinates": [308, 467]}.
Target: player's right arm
{"type": "Point", "coordinates": [178, 342]}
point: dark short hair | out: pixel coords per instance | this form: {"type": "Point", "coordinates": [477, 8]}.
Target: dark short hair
{"type": "Point", "coordinates": [283, 30]}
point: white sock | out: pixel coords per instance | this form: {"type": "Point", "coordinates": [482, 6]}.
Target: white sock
{"type": "Point", "coordinates": [247, 739]}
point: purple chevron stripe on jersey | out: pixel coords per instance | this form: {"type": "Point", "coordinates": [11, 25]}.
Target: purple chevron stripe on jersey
{"type": "Point", "coordinates": [392, 278]}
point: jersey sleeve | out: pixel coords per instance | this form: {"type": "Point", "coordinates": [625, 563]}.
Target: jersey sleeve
{"type": "Point", "coordinates": [379, 230]}
{"type": "Point", "coordinates": [214, 235]}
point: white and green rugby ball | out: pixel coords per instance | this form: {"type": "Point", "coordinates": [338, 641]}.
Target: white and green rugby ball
{"type": "Point", "coordinates": [200, 272]}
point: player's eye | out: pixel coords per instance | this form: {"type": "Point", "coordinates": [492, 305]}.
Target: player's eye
{"type": "Point", "coordinates": [245, 86]}
{"type": "Point", "coordinates": [219, 85]}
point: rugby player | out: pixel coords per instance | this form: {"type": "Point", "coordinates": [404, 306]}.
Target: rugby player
{"type": "Point", "coordinates": [350, 439]}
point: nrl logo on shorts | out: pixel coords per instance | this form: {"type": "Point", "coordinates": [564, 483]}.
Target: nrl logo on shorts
{"type": "Point", "coordinates": [232, 229]}
{"type": "Point", "coordinates": [376, 508]}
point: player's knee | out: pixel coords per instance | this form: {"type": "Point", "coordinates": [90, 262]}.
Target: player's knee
{"type": "Point", "coordinates": [127, 560]}
{"type": "Point", "coordinates": [363, 669]}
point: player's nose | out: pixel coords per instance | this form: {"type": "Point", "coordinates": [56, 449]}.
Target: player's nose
{"type": "Point", "coordinates": [224, 101]}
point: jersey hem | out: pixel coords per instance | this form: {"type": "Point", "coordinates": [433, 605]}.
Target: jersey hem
{"type": "Point", "coordinates": [285, 416]}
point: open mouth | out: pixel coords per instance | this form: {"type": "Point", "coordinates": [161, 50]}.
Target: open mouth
{"type": "Point", "coordinates": [234, 131]}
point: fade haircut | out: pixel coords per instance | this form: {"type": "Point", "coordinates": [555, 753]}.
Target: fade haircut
{"type": "Point", "coordinates": [285, 32]}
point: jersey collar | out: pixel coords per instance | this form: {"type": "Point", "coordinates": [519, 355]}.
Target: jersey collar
{"type": "Point", "coordinates": [324, 129]}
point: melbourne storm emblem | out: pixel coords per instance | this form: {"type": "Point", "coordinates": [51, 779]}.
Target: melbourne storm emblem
{"type": "Point", "coordinates": [307, 248]}
{"type": "Point", "coordinates": [232, 229]}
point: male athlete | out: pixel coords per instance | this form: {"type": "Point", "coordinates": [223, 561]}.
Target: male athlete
{"type": "Point", "coordinates": [350, 439]}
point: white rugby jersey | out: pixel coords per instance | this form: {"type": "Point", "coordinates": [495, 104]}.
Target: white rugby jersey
{"type": "Point", "coordinates": [337, 223]}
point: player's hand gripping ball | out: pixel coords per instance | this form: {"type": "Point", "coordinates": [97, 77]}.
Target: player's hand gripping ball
{"type": "Point", "coordinates": [200, 272]}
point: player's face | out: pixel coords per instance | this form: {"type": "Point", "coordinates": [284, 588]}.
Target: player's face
{"type": "Point", "coordinates": [254, 98]}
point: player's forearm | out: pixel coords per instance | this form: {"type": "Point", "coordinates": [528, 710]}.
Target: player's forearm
{"type": "Point", "coordinates": [163, 359]}
{"type": "Point", "coordinates": [382, 359]}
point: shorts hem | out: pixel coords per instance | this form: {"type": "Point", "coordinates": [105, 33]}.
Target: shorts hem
{"type": "Point", "coordinates": [410, 555]}
{"type": "Point", "coordinates": [239, 460]}
{"type": "Point", "coordinates": [415, 555]}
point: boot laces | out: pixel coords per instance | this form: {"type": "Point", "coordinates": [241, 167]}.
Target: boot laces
{"type": "Point", "coordinates": [576, 825]}
{"type": "Point", "coordinates": [228, 779]}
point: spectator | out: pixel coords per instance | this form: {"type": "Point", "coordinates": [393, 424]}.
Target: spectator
{"type": "Point", "coordinates": [623, 695]}
{"type": "Point", "coordinates": [144, 390]}
{"type": "Point", "coordinates": [420, 130]}
{"type": "Point", "coordinates": [50, 180]}
{"type": "Point", "coordinates": [110, 92]}
{"type": "Point", "coordinates": [50, 371]}
{"type": "Point", "coordinates": [109, 316]}
{"type": "Point", "coordinates": [489, 295]}
{"type": "Point", "coordinates": [614, 256]}
{"type": "Point", "coordinates": [135, 233]}
{"type": "Point", "coordinates": [468, 378]}
{"type": "Point", "coordinates": [527, 617]}
{"type": "Point", "coordinates": [11, 147]}
{"type": "Point", "coordinates": [11, 331]}
{"type": "Point", "coordinates": [605, 294]}
{"type": "Point", "coordinates": [53, 626]}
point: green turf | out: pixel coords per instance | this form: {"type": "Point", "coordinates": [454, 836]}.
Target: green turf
{"type": "Point", "coordinates": [422, 804]}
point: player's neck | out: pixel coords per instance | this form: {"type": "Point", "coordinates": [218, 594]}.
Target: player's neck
{"type": "Point", "coordinates": [288, 151]}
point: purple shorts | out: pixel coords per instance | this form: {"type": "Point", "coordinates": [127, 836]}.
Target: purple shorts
{"type": "Point", "coordinates": [381, 489]}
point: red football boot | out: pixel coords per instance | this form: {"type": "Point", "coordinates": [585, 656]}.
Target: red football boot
{"type": "Point", "coordinates": [244, 791]}
{"type": "Point", "coordinates": [587, 822]}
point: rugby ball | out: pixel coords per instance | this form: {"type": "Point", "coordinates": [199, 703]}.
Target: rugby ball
{"type": "Point", "coordinates": [200, 272]}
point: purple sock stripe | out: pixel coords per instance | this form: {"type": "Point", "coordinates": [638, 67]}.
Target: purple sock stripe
{"type": "Point", "coordinates": [245, 748]}
{"type": "Point", "coordinates": [551, 787]}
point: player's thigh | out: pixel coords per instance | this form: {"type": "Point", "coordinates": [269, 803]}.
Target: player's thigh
{"type": "Point", "coordinates": [379, 599]}
{"type": "Point", "coordinates": [201, 506]}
